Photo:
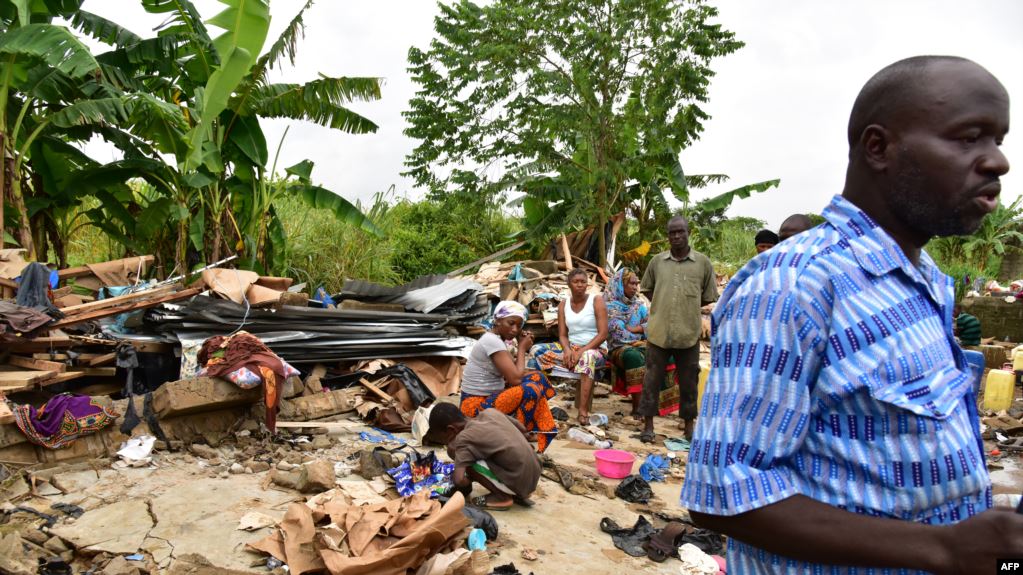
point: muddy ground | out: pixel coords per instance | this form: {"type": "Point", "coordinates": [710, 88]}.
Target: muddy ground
{"type": "Point", "coordinates": [182, 511]}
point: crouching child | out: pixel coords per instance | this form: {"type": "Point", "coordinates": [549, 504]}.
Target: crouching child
{"type": "Point", "coordinates": [490, 449]}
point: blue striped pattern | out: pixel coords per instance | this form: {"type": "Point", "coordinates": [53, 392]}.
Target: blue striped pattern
{"type": "Point", "coordinates": [835, 375]}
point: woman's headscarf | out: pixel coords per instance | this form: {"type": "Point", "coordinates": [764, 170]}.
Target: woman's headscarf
{"type": "Point", "coordinates": [509, 308]}
{"type": "Point", "coordinates": [619, 306]}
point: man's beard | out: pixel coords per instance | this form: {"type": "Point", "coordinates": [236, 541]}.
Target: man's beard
{"type": "Point", "coordinates": [916, 205]}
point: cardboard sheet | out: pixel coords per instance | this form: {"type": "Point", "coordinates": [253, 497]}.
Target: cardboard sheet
{"type": "Point", "coordinates": [231, 284]}
{"type": "Point", "coordinates": [394, 537]}
{"type": "Point", "coordinates": [12, 262]}
{"type": "Point", "coordinates": [119, 272]}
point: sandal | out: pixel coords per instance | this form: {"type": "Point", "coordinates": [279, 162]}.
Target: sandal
{"type": "Point", "coordinates": [482, 503]}
{"type": "Point", "coordinates": [647, 437]}
{"type": "Point", "coordinates": [523, 501]}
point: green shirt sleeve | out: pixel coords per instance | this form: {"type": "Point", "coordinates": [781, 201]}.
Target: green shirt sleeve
{"type": "Point", "coordinates": [646, 285]}
{"type": "Point", "coordinates": [710, 284]}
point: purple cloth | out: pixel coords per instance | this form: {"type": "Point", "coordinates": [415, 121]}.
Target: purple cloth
{"type": "Point", "coordinates": [62, 419]}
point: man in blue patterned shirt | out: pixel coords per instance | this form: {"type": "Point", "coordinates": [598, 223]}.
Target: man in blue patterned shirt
{"type": "Point", "coordinates": [839, 431]}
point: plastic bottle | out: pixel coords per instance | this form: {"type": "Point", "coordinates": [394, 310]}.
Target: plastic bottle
{"type": "Point", "coordinates": [598, 419]}
{"type": "Point", "coordinates": [477, 540]}
{"type": "Point", "coordinates": [576, 434]}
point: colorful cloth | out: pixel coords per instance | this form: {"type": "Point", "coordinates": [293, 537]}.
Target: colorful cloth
{"type": "Point", "coordinates": [221, 355]}
{"type": "Point", "coordinates": [623, 312]}
{"type": "Point", "coordinates": [62, 420]}
{"type": "Point", "coordinates": [527, 403]}
{"type": "Point", "coordinates": [510, 308]}
{"type": "Point", "coordinates": [545, 356]}
{"type": "Point", "coordinates": [836, 376]}
{"type": "Point", "coordinates": [628, 370]}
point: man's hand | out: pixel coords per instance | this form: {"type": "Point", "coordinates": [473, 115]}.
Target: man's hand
{"type": "Point", "coordinates": [973, 545]}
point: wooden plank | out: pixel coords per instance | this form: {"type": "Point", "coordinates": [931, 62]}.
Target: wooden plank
{"type": "Point", "coordinates": [568, 254]}
{"type": "Point", "coordinates": [52, 356]}
{"type": "Point", "coordinates": [491, 257]}
{"type": "Point", "coordinates": [95, 371]}
{"type": "Point", "coordinates": [376, 390]}
{"type": "Point", "coordinates": [115, 301]}
{"type": "Point", "coordinates": [37, 364]}
{"type": "Point", "coordinates": [61, 378]}
{"type": "Point", "coordinates": [108, 388]}
{"type": "Point", "coordinates": [24, 377]}
{"type": "Point", "coordinates": [152, 347]}
{"type": "Point", "coordinates": [79, 271]}
{"type": "Point", "coordinates": [6, 416]}
{"type": "Point", "coordinates": [104, 359]}
{"type": "Point", "coordinates": [101, 313]}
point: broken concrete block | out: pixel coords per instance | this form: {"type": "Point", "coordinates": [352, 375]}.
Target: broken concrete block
{"type": "Point", "coordinates": [121, 566]}
{"type": "Point", "coordinates": [321, 442]}
{"type": "Point", "coordinates": [319, 405]}
{"type": "Point", "coordinates": [257, 466]}
{"type": "Point", "coordinates": [287, 479]}
{"type": "Point", "coordinates": [201, 394]}
{"type": "Point", "coordinates": [13, 558]}
{"type": "Point", "coordinates": [74, 481]}
{"type": "Point", "coordinates": [316, 477]}
{"type": "Point", "coordinates": [205, 451]}
{"type": "Point", "coordinates": [312, 382]}
{"type": "Point", "coordinates": [118, 528]}
{"type": "Point", "coordinates": [370, 466]}
{"type": "Point", "coordinates": [55, 545]}
{"type": "Point", "coordinates": [236, 469]}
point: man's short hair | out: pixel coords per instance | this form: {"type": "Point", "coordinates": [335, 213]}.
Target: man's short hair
{"type": "Point", "coordinates": [444, 414]}
{"type": "Point", "coordinates": [889, 92]}
{"type": "Point", "coordinates": [765, 237]}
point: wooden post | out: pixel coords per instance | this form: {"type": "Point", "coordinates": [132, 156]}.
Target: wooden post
{"type": "Point", "coordinates": [568, 253]}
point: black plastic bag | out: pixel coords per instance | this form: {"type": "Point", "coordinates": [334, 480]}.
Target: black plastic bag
{"type": "Point", "coordinates": [634, 489]}
{"type": "Point", "coordinates": [482, 520]}
{"type": "Point", "coordinates": [629, 540]}
{"type": "Point", "coordinates": [508, 569]}
{"type": "Point", "coordinates": [559, 414]}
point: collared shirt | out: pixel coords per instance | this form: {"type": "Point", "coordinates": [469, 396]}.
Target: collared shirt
{"type": "Point", "coordinates": [835, 375]}
{"type": "Point", "coordinates": [680, 288]}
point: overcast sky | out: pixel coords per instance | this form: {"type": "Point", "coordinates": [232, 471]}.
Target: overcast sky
{"type": "Point", "coordinates": [779, 106]}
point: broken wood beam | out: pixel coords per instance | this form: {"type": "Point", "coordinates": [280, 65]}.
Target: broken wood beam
{"type": "Point", "coordinates": [37, 364]}
{"type": "Point", "coordinates": [114, 301]}
{"type": "Point", "coordinates": [95, 371]}
{"type": "Point", "coordinates": [483, 260]}
{"type": "Point", "coordinates": [377, 391]}
{"type": "Point", "coordinates": [566, 253]}
{"type": "Point", "coordinates": [107, 312]}
{"type": "Point", "coordinates": [100, 360]}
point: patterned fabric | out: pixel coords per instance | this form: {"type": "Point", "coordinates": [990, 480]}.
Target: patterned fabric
{"type": "Point", "coordinates": [623, 312]}
{"type": "Point", "coordinates": [62, 420]}
{"type": "Point", "coordinates": [222, 355]}
{"type": "Point", "coordinates": [835, 375]}
{"type": "Point", "coordinates": [510, 308]}
{"type": "Point", "coordinates": [545, 356]}
{"type": "Point", "coordinates": [419, 472]}
{"type": "Point", "coordinates": [628, 364]}
{"type": "Point", "coordinates": [527, 403]}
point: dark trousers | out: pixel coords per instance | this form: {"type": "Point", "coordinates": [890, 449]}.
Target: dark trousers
{"type": "Point", "coordinates": [687, 365]}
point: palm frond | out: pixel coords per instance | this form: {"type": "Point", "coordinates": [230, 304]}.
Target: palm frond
{"type": "Point", "coordinates": [55, 45]}
{"type": "Point", "coordinates": [319, 101]}
{"type": "Point", "coordinates": [103, 30]}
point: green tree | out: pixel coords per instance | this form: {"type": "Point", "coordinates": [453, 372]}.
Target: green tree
{"type": "Point", "coordinates": [565, 100]}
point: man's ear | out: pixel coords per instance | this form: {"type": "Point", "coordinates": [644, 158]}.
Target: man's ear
{"type": "Point", "coordinates": [876, 143]}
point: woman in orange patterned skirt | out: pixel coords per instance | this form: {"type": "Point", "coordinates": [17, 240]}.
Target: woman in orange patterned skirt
{"type": "Point", "coordinates": [495, 376]}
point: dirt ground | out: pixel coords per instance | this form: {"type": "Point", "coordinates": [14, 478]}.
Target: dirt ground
{"type": "Point", "coordinates": [188, 503]}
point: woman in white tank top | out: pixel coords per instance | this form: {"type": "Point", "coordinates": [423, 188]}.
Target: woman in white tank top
{"type": "Point", "coordinates": [582, 330]}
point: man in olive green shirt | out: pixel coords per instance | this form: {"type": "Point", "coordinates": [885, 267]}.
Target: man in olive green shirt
{"type": "Point", "coordinates": [678, 283]}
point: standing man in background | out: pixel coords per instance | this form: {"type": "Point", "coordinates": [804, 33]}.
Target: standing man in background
{"type": "Point", "coordinates": [678, 283]}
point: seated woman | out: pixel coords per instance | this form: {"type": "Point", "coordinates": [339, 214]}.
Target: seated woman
{"type": "Point", "coordinates": [582, 329]}
{"type": "Point", "coordinates": [493, 378]}
{"type": "Point", "coordinates": [626, 325]}
{"type": "Point", "coordinates": [627, 320]}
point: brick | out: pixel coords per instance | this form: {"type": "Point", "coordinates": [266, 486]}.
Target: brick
{"type": "Point", "coordinates": [201, 394]}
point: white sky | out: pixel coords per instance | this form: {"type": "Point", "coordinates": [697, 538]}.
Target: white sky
{"type": "Point", "coordinates": [779, 106]}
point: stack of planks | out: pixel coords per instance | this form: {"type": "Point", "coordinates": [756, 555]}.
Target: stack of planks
{"type": "Point", "coordinates": [48, 360]}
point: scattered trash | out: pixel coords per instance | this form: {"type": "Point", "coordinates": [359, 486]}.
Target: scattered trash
{"type": "Point", "coordinates": [477, 540]}
{"type": "Point", "coordinates": [598, 419]}
{"type": "Point", "coordinates": [136, 451]}
{"type": "Point", "coordinates": [629, 540]}
{"type": "Point", "coordinates": [273, 563]}
{"type": "Point", "coordinates": [559, 414]}
{"type": "Point", "coordinates": [508, 569]}
{"type": "Point", "coordinates": [695, 561]}
{"type": "Point", "coordinates": [653, 468]}
{"type": "Point", "coordinates": [634, 489]}
{"type": "Point", "coordinates": [135, 557]}
{"type": "Point", "coordinates": [529, 554]}
{"type": "Point", "coordinates": [481, 519]}
{"type": "Point", "coordinates": [576, 434]}
{"type": "Point", "coordinates": [68, 509]}
{"type": "Point", "coordinates": [254, 520]}
{"type": "Point", "coordinates": [677, 444]}
{"type": "Point", "coordinates": [384, 437]}
{"type": "Point", "coordinates": [419, 472]}
{"type": "Point", "coordinates": [54, 566]}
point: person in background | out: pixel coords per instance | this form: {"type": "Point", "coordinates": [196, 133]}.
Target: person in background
{"type": "Point", "coordinates": [765, 240]}
{"type": "Point", "coordinates": [794, 224]}
{"type": "Point", "coordinates": [495, 376]}
{"type": "Point", "coordinates": [678, 283]}
{"type": "Point", "coordinates": [626, 326]}
{"type": "Point", "coordinates": [491, 449]}
{"type": "Point", "coordinates": [840, 433]}
{"type": "Point", "coordinates": [967, 327]}
{"type": "Point", "coordinates": [582, 331]}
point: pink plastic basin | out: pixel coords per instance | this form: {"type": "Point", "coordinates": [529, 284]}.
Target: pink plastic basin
{"type": "Point", "coordinates": [614, 463]}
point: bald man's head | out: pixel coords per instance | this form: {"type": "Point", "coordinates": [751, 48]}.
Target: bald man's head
{"type": "Point", "coordinates": [892, 93]}
{"type": "Point", "coordinates": [794, 224]}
